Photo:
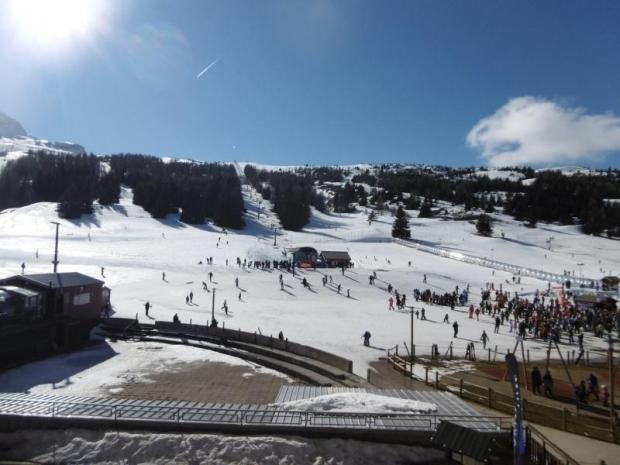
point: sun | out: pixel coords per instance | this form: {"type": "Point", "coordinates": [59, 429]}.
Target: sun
{"type": "Point", "coordinates": [54, 24]}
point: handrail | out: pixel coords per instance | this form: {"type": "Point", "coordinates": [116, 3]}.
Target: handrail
{"type": "Point", "coordinates": [547, 444]}
{"type": "Point", "coordinates": [266, 416]}
{"type": "Point", "coordinates": [521, 270]}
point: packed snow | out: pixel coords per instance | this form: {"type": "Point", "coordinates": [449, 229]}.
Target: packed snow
{"type": "Point", "coordinates": [93, 447]}
{"type": "Point", "coordinates": [105, 368]}
{"type": "Point", "coordinates": [358, 402]}
{"type": "Point", "coordinates": [135, 249]}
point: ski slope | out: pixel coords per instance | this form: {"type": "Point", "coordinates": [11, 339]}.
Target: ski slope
{"type": "Point", "coordinates": [135, 250]}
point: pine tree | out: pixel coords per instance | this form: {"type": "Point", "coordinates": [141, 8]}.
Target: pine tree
{"type": "Point", "coordinates": [109, 189]}
{"type": "Point", "coordinates": [425, 209]}
{"type": "Point", "coordinates": [400, 229]}
{"type": "Point", "coordinates": [483, 225]}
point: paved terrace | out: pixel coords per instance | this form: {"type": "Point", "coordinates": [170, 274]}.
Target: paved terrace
{"type": "Point", "coordinates": [18, 411]}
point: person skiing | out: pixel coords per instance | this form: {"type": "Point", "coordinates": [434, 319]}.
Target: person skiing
{"type": "Point", "coordinates": [191, 297]}
{"type": "Point", "coordinates": [391, 303]}
{"type": "Point", "coordinates": [281, 335]}
{"type": "Point", "coordinates": [23, 267]}
{"type": "Point", "coordinates": [497, 323]}
{"type": "Point", "coordinates": [210, 276]}
{"type": "Point", "coordinates": [225, 307]}
{"type": "Point", "coordinates": [455, 325]}
{"type": "Point", "coordinates": [163, 275]}
{"type": "Point", "coordinates": [446, 319]}
{"type": "Point", "coordinates": [349, 293]}
{"type": "Point", "coordinates": [366, 337]}
{"type": "Point", "coordinates": [175, 318]}
{"type": "Point", "coordinates": [423, 311]}
{"type": "Point", "coordinates": [239, 297]}
{"type": "Point", "coordinates": [186, 300]}
{"type": "Point", "coordinates": [484, 338]}
{"type": "Point", "coordinates": [339, 288]}
{"type": "Point", "coordinates": [237, 282]}
{"type": "Point", "coordinates": [102, 270]}
{"type": "Point", "coordinates": [147, 306]}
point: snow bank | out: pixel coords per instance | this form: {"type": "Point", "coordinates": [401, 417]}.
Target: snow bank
{"type": "Point", "coordinates": [92, 447]}
{"type": "Point", "coordinates": [358, 402]}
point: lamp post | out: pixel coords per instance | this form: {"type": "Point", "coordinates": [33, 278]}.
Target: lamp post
{"type": "Point", "coordinates": [55, 262]}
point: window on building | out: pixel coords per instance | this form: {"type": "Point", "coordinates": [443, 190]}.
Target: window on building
{"type": "Point", "coordinates": [81, 299]}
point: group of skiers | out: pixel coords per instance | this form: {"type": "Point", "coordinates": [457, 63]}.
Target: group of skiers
{"type": "Point", "coordinates": [545, 381]}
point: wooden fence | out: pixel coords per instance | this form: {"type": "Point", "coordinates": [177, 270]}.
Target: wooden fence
{"type": "Point", "coordinates": [559, 418]}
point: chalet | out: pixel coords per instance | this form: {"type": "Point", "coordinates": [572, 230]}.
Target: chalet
{"type": "Point", "coordinates": [336, 259]}
{"type": "Point", "coordinates": [73, 295]}
{"type": "Point", "coordinates": [43, 313]}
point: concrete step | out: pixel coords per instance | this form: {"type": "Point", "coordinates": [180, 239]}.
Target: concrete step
{"type": "Point", "coordinates": [337, 376]}
{"type": "Point", "coordinates": [291, 369]}
{"type": "Point", "coordinates": [341, 376]}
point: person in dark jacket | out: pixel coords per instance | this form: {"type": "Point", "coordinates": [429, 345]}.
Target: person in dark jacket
{"type": "Point", "coordinates": [536, 380]}
{"type": "Point", "coordinates": [548, 384]}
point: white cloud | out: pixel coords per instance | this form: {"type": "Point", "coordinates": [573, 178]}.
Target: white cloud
{"type": "Point", "coordinates": [536, 131]}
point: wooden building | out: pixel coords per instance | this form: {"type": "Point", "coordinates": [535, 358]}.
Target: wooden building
{"type": "Point", "coordinates": [41, 314]}
{"type": "Point", "coordinates": [336, 259]}
{"type": "Point", "coordinates": [69, 294]}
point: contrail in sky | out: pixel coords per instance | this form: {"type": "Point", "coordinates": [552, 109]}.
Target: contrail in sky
{"type": "Point", "coordinates": [207, 68]}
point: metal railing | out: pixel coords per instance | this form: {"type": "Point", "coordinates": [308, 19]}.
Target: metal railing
{"type": "Point", "coordinates": [517, 270]}
{"type": "Point", "coordinates": [269, 417]}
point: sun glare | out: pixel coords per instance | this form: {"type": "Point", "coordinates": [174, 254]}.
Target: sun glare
{"type": "Point", "coordinates": [54, 24]}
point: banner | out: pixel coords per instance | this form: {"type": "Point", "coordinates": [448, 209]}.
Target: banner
{"type": "Point", "coordinates": [519, 431]}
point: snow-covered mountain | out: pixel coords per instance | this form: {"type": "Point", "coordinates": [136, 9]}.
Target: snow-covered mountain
{"type": "Point", "coordinates": [15, 142]}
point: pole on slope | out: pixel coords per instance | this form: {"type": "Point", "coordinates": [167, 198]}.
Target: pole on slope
{"type": "Point", "coordinates": [612, 386]}
{"type": "Point", "coordinates": [411, 338]}
{"type": "Point", "coordinates": [213, 307]}
{"type": "Point", "coordinates": [275, 230]}
{"type": "Point", "coordinates": [55, 262]}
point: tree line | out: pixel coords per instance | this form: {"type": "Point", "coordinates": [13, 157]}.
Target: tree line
{"type": "Point", "coordinates": [291, 194]}
{"type": "Point", "coordinates": [73, 181]}
{"type": "Point", "coordinates": [195, 190]}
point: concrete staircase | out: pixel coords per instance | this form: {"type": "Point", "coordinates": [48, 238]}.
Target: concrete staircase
{"type": "Point", "coordinates": [302, 367]}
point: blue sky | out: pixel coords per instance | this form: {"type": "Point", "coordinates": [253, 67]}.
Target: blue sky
{"type": "Point", "coordinates": [448, 82]}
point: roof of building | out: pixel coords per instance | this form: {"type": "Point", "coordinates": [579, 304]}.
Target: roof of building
{"type": "Point", "coordinates": [335, 255]}
{"type": "Point", "coordinates": [58, 280]}
{"type": "Point", "coordinates": [19, 290]}
{"type": "Point", "coordinates": [302, 249]}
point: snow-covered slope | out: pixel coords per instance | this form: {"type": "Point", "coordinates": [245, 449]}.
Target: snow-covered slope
{"type": "Point", "coordinates": [15, 142]}
{"type": "Point", "coordinates": [135, 250]}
